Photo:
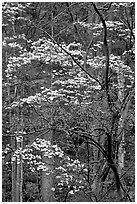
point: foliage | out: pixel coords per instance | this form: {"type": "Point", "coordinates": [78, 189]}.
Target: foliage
{"type": "Point", "coordinates": [54, 78]}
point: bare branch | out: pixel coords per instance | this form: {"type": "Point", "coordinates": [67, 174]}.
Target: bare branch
{"type": "Point", "coordinates": [106, 50]}
{"type": "Point", "coordinates": [72, 21]}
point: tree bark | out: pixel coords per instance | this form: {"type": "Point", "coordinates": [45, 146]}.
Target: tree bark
{"type": "Point", "coordinates": [47, 176]}
{"type": "Point", "coordinates": [13, 145]}
{"type": "Point", "coordinates": [19, 141]}
{"type": "Point", "coordinates": [121, 151]}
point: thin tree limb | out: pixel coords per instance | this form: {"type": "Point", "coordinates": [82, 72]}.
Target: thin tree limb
{"type": "Point", "coordinates": [106, 50]}
{"type": "Point", "coordinates": [72, 21]}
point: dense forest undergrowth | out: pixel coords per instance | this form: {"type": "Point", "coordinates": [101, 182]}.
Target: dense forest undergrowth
{"type": "Point", "coordinates": [68, 111]}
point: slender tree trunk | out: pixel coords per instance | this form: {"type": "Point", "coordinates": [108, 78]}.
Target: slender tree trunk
{"type": "Point", "coordinates": [13, 145]}
{"type": "Point", "coordinates": [121, 134]}
{"type": "Point", "coordinates": [121, 151]}
{"type": "Point", "coordinates": [97, 184]}
{"type": "Point", "coordinates": [47, 175]}
{"type": "Point", "coordinates": [17, 169]}
{"type": "Point", "coordinates": [19, 140]}
{"type": "Point", "coordinates": [14, 164]}
{"type": "Point", "coordinates": [19, 172]}
{"type": "Point", "coordinates": [21, 148]}
{"type": "Point", "coordinates": [121, 138]}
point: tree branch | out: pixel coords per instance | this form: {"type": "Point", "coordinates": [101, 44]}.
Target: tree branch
{"type": "Point", "coordinates": [72, 21]}
{"type": "Point", "coordinates": [106, 50]}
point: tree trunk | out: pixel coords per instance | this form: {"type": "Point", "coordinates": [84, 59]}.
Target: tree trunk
{"type": "Point", "coordinates": [14, 164]}
{"type": "Point", "coordinates": [96, 184]}
{"type": "Point", "coordinates": [47, 176]}
{"type": "Point", "coordinates": [121, 151]}
{"type": "Point", "coordinates": [19, 141]}
{"type": "Point", "coordinates": [121, 134]}
{"type": "Point", "coordinates": [13, 145]}
{"type": "Point", "coordinates": [17, 168]}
